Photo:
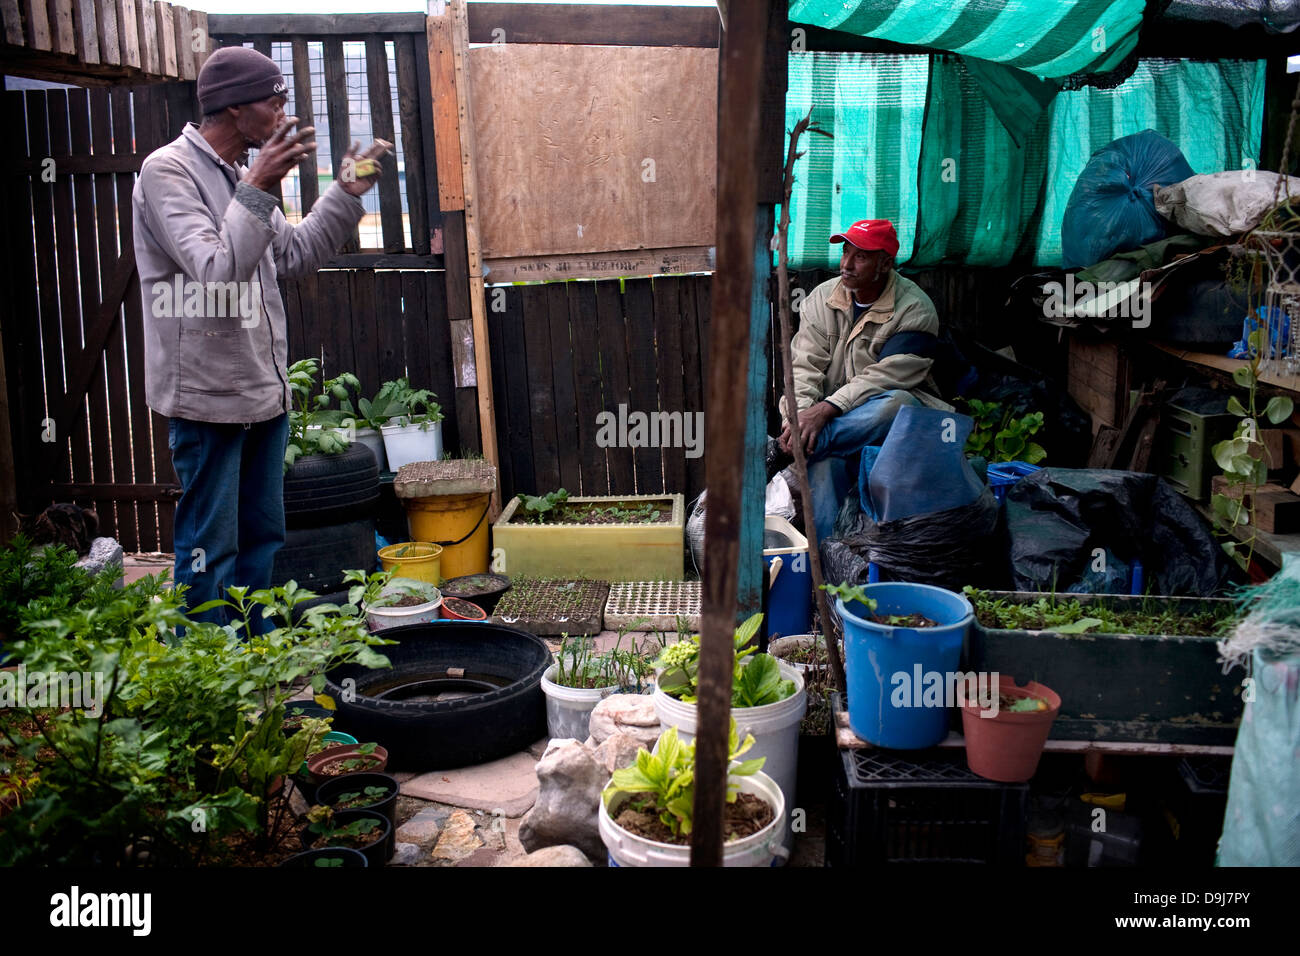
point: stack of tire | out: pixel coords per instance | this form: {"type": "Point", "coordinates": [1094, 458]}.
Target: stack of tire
{"type": "Point", "coordinates": [330, 503]}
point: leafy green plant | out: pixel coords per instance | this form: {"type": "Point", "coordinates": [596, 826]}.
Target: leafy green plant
{"type": "Point", "coordinates": [1000, 436]}
{"type": "Point", "coordinates": [664, 781]}
{"type": "Point", "coordinates": [186, 744]}
{"type": "Point", "coordinates": [410, 406]}
{"type": "Point", "coordinates": [1244, 458]}
{"type": "Point", "coordinates": [38, 582]}
{"type": "Point", "coordinates": [375, 412]}
{"type": "Point", "coordinates": [536, 508]}
{"type": "Point", "coordinates": [311, 410]}
{"type": "Point", "coordinates": [579, 666]}
{"type": "Point", "coordinates": [849, 593]}
{"type": "Point", "coordinates": [1070, 616]}
{"type": "Point", "coordinates": [679, 666]}
{"type": "Point", "coordinates": [360, 798]}
{"type": "Point", "coordinates": [352, 835]}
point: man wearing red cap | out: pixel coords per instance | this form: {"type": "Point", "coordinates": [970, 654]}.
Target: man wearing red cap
{"type": "Point", "coordinates": [863, 350]}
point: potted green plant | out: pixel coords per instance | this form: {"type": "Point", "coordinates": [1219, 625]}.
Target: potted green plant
{"type": "Point", "coordinates": [404, 601]}
{"type": "Point", "coordinates": [366, 831]}
{"type": "Point", "coordinates": [362, 791]}
{"type": "Point", "coordinates": [580, 679]}
{"type": "Point", "coordinates": [606, 538]}
{"type": "Point", "coordinates": [1005, 742]}
{"type": "Point", "coordinates": [414, 431]}
{"type": "Point", "coordinates": [768, 699]}
{"type": "Point", "coordinates": [347, 759]}
{"type": "Point", "coordinates": [645, 814]}
{"type": "Point", "coordinates": [328, 858]}
{"type": "Point", "coordinates": [370, 416]}
{"type": "Point", "coordinates": [314, 427]}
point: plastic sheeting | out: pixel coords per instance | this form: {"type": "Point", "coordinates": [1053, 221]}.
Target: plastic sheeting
{"type": "Point", "coordinates": [1045, 39]}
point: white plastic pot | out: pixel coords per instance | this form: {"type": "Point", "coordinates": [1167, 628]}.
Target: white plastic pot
{"type": "Point", "coordinates": [371, 438]}
{"type": "Point", "coordinates": [407, 443]}
{"type": "Point", "coordinates": [764, 848]}
{"type": "Point", "coordinates": [782, 646]}
{"type": "Point", "coordinates": [568, 709]}
{"type": "Point", "coordinates": [775, 728]}
{"type": "Point", "coordinates": [380, 618]}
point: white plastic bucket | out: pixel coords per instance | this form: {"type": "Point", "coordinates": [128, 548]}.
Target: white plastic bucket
{"type": "Point", "coordinates": [371, 438]}
{"type": "Point", "coordinates": [407, 443]}
{"type": "Point", "coordinates": [568, 709]}
{"type": "Point", "coordinates": [763, 848]}
{"type": "Point", "coordinates": [782, 646]}
{"type": "Point", "coordinates": [379, 618]}
{"type": "Point", "coordinates": [775, 728]}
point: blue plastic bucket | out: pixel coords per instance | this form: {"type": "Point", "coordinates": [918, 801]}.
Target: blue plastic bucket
{"type": "Point", "coordinates": [789, 604]}
{"type": "Point", "coordinates": [887, 667]}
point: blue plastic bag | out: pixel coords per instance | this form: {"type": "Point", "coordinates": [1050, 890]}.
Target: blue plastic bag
{"type": "Point", "coordinates": [1279, 330]}
{"type": "Point", "coordinates": [1112, 207]}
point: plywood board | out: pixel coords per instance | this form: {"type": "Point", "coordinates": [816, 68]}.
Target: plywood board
{"type": "Point", "coordinates": [590, 149]}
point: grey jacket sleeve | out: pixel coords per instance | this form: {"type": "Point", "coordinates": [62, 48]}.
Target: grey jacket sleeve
{"type": "Point", "coordinates": [227, 251]}
{"type": "Point", "coordinates": [302, 248]}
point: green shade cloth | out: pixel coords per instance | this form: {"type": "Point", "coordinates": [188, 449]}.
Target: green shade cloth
{"type": "Point", "coordinates": [917, 141]}
{"type": "Point", "coordinates": [1048, 38]}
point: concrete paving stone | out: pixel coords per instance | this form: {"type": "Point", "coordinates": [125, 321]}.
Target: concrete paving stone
{"type": "Point", "coordinates": [508, 785]}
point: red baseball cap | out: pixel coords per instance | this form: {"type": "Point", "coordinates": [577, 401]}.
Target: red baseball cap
{"type": "Point", "coordinates": [870, 234]}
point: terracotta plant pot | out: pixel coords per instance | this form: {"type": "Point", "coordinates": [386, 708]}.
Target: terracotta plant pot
{"type": "Point", "coordinates": [317, 763]}
{"type": "Point", "coordinates": [1007, 746]}
{"type": "Point", "coordinates": [458, 609]}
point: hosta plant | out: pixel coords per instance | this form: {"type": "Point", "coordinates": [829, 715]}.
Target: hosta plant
{"type": "Point", "coordinates": [663, 781]}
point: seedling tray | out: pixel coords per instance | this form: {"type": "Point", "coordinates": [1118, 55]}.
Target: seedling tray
{"type": "Point", "coordinates": [659, 603]}
{"type": "Point", "coordinates": [554, 607]}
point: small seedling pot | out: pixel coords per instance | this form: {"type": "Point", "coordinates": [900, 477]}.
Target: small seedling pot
{"type": "Point", "coordinates": [457, 609]}
{"type": "Point", "coordinates": [352, 859]}
{"type": "Point", "coordinates": [1007, 747]}
{"type": "Point", "coordinates": [421, 560]}
{"type": "Point", "coordinates": [483, 589]}
{"type": "Point", "coordinates": [303, 779]}
{"type": "Point", "coordinates": [377, 851]}
{"type": "Point", "coordinates": [305, 709]}
{"type": "Point", "coordinates": [318, 763]}
{"type": "Point", "coordinates": [330, 791]}
{"type": "Point", "coordinates": [381, 617]}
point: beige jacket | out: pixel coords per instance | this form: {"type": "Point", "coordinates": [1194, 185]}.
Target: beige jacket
{"type": "Point", "coordinates": [836, 361]}
{"type": "Point", "coordinates": [208, 249]}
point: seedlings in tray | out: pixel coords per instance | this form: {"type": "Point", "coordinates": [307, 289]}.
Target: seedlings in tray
{"type": "Point", "coordinates": [1072, 617]}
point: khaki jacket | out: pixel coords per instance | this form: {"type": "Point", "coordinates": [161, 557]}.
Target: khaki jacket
{"type": "Point", "coordinates": [836, 361]}
{"type": "Point", "coordinates": [208, 250]}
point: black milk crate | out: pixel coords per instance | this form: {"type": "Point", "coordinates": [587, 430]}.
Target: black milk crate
{"type": "Point", "coordinates": [921, 807]}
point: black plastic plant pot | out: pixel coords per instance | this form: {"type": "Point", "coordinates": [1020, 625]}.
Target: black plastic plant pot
{"type": "Point", "coordinates": [349, 859]}
{"type": "Point", "coordinates": [303, 709]}
{"type": "Point", "coordinates": [377, 851]}
{"type": "Point", "coordinates": [484, 589]}
{"type": "Point", "coordinates": [329, 792]}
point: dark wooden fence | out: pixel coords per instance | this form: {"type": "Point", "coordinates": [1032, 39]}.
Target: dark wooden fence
{"type": "Point", "coordinates": [564, 352]}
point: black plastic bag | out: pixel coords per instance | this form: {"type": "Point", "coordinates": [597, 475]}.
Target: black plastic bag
{"type": "Point", "coordinates": [949, 548]}
{"type": "Point", "coordinates": [1079, 530]}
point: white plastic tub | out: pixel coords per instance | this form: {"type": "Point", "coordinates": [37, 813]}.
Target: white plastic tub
{"type": "Point", "coordinates": [380, 618]}
{"type": "Point", "coordinates": [407, 443]}
{"type": "Point", "coordinates": [775, 728]}
{"type": "Point", "coordinates": [764, 848]}
{"type": "Point", "coordinates": [371, 438]}
{"type": "Point", "coordinates": [568, 709]}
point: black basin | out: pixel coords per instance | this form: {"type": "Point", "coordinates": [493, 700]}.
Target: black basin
{"type": "Point", "coordinates": [457, 694]}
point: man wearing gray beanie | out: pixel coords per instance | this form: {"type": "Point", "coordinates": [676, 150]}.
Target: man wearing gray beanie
{"type": "Point", "coordinates": [210, 240]}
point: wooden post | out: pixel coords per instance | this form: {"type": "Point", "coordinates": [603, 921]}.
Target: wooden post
{"type": "Point", "coordinates": [740, 307]}
{"type": "Point", "coordinates": [448, 22]}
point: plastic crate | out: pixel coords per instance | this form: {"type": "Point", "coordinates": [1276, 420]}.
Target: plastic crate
{"type": "Point", "coordinates": [1004, 474]}
{"type": "Point", "coordinates": [1184, 447]}
{"type": "Point", "coordinates": [921, 807]}
{"type": "Point", "coordinates": [1194, 806]}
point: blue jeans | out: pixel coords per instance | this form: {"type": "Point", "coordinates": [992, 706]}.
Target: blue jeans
{"type": "Point", "coordinates": [230, 518]}
{"type": "Point", "coordinates": [841, 440]}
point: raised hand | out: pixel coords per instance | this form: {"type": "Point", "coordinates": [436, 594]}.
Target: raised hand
{"type": "Point", "coordinates": [280, 153]}
{"type": "Point", "coordinates": [358, 172]}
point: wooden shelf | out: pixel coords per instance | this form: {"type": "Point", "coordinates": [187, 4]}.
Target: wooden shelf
{"type": "Point", "coordinates": [1222, 363]}
{"type": "Point", "coordinates": [1268, 546]}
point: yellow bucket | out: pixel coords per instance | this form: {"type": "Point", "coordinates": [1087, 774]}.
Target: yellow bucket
{"type": "Point", "coordinates": [414, 559]}
{"type": "Point", "coordinates": [458, 523]}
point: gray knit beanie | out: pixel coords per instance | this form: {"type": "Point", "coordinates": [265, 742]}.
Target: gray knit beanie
{"type": "Point", "coordinates": [235, 75]}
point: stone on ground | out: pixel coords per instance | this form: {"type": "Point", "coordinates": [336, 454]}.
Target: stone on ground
{"type": "Point", "coordinates": [423, 829]}
{"type": "Point", "coordinates": [618, 751]}
{"type": "Point", "coordinates": [459, 838]}
{"type": "Point", "coordinates": [627, 713]}
{"type": "Point", "coordinates": [406, 854]}
{"type": "Point", "coordinates": [566, 811]}
{"type": "Point", "coordinates": [553, 856]}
